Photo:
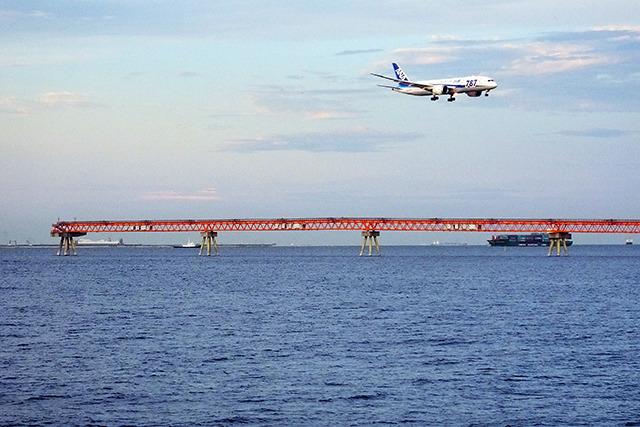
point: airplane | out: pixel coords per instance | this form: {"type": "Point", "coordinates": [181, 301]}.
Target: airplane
{"type": "Point", "coordinates": [473, 86]}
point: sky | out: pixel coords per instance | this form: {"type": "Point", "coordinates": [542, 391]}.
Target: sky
{"type": "Point", "coordinates": [136, 109]}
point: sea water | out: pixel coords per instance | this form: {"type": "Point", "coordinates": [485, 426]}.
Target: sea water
{"type": "Point", "coordinates": [430, 335]}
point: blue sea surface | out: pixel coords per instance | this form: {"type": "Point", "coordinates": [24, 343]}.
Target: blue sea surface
{"type": "Point", "coordinates": [431, 335]}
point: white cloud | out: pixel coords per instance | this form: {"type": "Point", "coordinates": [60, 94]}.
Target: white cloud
{"type": "Point", "coordinates": [311, 104]}
{"type": "Point", "coordinates": [40, 14]}
{"type": "Point", "coordinates": [14, 15]}
{"type": "Point", "coordinates": [11, 104]}
{"type": "Point", "coordinates": [550, 58]}
{"type": "Point", "coordinates": [187, 74]}
{"type": "Point", "coordinates": [356, 141]}
{"type": "Point", "coordinates": [603, 133]}
{"type": "Point", "coordinates": [427, 55]}
{"type": "Point", "coordinates": [619, 28]}
{"type": "Point", "coordinates": [207, 194]}
{"type": "Point", "coordinates": [62, 99]}
{"type": "Point", "coordinates": [541, 54]}
{"type": "Point", "coordinates": [329, 115]}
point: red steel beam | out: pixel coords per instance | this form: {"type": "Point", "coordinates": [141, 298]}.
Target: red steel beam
{"type": "Point", "coordinates": [380, 224]}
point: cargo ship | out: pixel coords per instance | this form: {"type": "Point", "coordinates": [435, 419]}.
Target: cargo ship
{"type": "Point", "coordinates": [533, 239]}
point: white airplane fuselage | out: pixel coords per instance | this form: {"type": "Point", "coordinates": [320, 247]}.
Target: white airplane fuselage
{"type": "Point", "coordinates": [471, 85]}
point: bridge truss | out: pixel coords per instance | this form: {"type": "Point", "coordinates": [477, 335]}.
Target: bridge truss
{"type": "Point", "coordinates": [363, 224]}
{"type": "Point", "coordinates": [370, 227]}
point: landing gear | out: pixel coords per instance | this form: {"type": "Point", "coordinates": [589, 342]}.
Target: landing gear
{"type": "Point", "coordinates": [486, 93]}
{"type": "Point", "coordinates": [434, 98]}
{"type": "Point", "coordinates": [451, 98]}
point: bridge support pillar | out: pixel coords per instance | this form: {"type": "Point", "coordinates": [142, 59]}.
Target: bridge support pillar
{"type": "Point", "coordinates": [209, 240]}
{"type": "Point", "coordinates": [559, 238]}
{"type": "Point", "coordinates": [67, 245]}
{"type": "Point", "coordinates": [371, 236]}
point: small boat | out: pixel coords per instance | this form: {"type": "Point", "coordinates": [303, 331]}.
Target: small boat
{"type": "Point", "coordinates": [629, 241]}
{"type": "Point", "coordinates": [189, 244]}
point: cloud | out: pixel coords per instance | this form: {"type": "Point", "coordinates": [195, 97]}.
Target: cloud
{"type": "Point", "coordinates": [15, 15]}
{"type": "Point", "coordinates": [329, 115]}
{"type": "Point", "coordinates": [539, 55]}
{"type": "Point", "coordinates": [607, 78]}
{"type": "Point", "coordinates": [358, 51]}
{"type": "Point", "coordinates": [538, 58]}
{"type": "Point", "coordinates": [597, 133]}
{"type": "Point", "coordinates": [40, 14]}
{"type": "Point", "coordinates": [567, 52]}
{"type": "Point", "coordinates": [341, 141]}
{"type": "Point", "coordinates": [63, 99]}
{"type": "Point", "coordinates": [429, 55]}
{"type": "Point", "coordinates": [311, 104]}
{"type": "Point", "coordinates": [14, 105]}
{"type": "Point", "coordinates": [11, 104]}
{"type": "Point", "coordinates": [50, 18]}
{"type": "Point", "coordinates": [187, 74]}
{"type": "Point", "coordinates": [207, 194]}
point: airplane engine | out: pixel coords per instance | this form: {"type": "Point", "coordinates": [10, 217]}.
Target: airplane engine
{"type": "Point", "coordinates": [441, 90]}
{"type": "Point", "coordinates": [474, 94]}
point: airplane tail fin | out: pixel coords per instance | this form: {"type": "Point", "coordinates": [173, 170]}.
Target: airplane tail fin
{"type": "Point", "coordinates": [399, 73]}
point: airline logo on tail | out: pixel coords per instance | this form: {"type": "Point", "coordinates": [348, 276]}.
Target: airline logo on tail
{"type": "Point", "coordinates": [399, 73]}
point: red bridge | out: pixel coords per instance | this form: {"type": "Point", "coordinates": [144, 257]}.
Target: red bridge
{"type": "Point", "coordinates": [559, 229]}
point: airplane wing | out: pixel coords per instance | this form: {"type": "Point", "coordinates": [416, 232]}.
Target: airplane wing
{"type": "Point", "coordinates": [406, 82]}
